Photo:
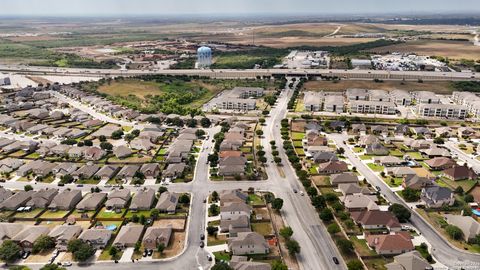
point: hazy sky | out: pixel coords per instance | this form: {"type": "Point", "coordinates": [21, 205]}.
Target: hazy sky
{"type": "Point", "coordinates": [151, 7]}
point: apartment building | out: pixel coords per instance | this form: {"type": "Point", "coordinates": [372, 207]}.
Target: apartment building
{"type": "Point", "coordinates": [442, 110]}
{"type": "Point", "coordinates": [378, 107]}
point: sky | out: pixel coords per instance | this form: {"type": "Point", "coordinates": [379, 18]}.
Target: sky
{"type": "Point", "coordinates": [225, 7]}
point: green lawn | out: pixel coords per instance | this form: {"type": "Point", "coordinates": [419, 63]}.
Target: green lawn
{"type": "Point", "coordinates": [313, 170]}
{"type": "Point", "coordinates": [397, 181]}
{"type": "Point", "coordinates": [465, 184]}
{"type": "Point", "coordinates": [396, 153]}
{"type": "Point", "coordinates": [416, 155]}
{"type": "Point", "coordinates": [254, 199]}
{"type": "Point", "coordinates": [298, 144]}
{"type": "Point", "coordinates": [376, 167]}
{"type": "Point", "coordinates": [263, 228]}
{"type": "Point", "coordinates": [32, 214]}
{"type": "Point", "coordinates": [220, 255]}
{"type": "Point", "coordinates": [33, 155]}
{"type": "Point", "coordinates": [361, 247]}
{"type": "Point", "coordinates": [54, 214]}
{"type": "Point", "coordinates": [77, 214]}
{"type": "Point", "coordinates": [104, 213]}
{"type": "Point", "coordinates": [146, 213]}
{"type": "Point", "coordinates": [105, 256]}
{"type": "Point", "coordinates": [300, 151]}
{"type": "Point", "coordinates": [358, 149]}
{"type": "Point", "coordinates": [298, 136]}
{"type": "Point", "coordinates": [366, 157]}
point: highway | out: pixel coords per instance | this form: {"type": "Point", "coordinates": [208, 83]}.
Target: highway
{"type": "Point", "coordinates": [246, 73]}
{"type": "Point", "coordinates": [442, 250]}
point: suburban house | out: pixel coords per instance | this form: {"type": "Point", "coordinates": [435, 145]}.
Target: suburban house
{"type": "Point", "coordinates": [359, 202]}
{"type": "Point", "coordinates": [440, 163]}
{"type": "Point", "coordinates": [63, 234]}
{"type": "Point", "coordinates": [435, 196]}
{"type": "Point", "coordinates": [93, 153]}
{"type": "Point", "coordinates": [248, 243]}
{"type": "Point", "coordinates": [388, 161]}
{"type": "Point", "coordinates": [122, 151]}
{"type": "Point", "coordinates": [143, 200]}
{"type": "Point", "coordinates": [26, 237]}
{"type": "Point", "coordinates": [66, 200]}
{"type": "Point", "coordinates": [416, 182]}
{"type": "Point", "coordinates": [8, 165]}
{"type": "Point", "coordinates": [42, 198]}
{"type": "Point", "coordinates": [150, 170]}
{"type": "Point", "coordinates": [128, 236]}
{"type": "Point", "coordinates": [86, 171]}
{"type": "Point", "coordinates": [5, 194]}
{"type": "Point", "coordinates": [240, 223]}
{"type": "Point", "coordinates": [376, 149]}
{"type": "Point", "coordinates": [229, 166]}
{"type": "Point", "coordinates": [400, 171]}
{"type": "Point", "coordinates": [63, 169]}
{"type": "Point", "coordinates": [128, 172]}
{"type": "Point", "coordinates": [9, 230]}
{"type": "Point", "coordinates": [107, 172]}
{"type": "Point", "coordinates": [469, 226]}
{"type": "Point", "coordinates": [234, 209]}
{"type": "Point", "coordinates": [17, 200]}
{"type": "Point", "coordinates": [376, 219]}
{"type": "Point", "coordinates": [332, 167]}
{"type": "Point", "coordinates": [229, 196]}
{"type": "Point", "coordinates": [167, 202]}
{"type": "Point", "coordinates": [458, 172]}
{"type": "Point", "coordinates": [343, 178]}
{"type": "Point", "coordinates": [412, 260]}
{"type": "Point", "coordinates": [118, 199]}
{"type": "Point", "coordinates": [390, 244]}
{"type": "Point", "coordinates": [154, 236]}
{"type": "Point", "coordinates": [91, 202]}
{"type": "Point", "coordinates": [353, 188]}
{"type": "Point", "coordinates": [242, 263]}
{"type": "Point", "coordinates": [97, 238]}
{"type": "Point", "coordinates": [174, 170]}
{"type": "Point", "coordinates": [322, 157]}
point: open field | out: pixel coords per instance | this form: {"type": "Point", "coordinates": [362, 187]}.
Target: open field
{"type": "Point", "coordinates": [450, 49]}
{"type": "Point", "coordinates": [331, 86]}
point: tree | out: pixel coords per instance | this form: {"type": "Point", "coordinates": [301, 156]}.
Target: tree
{"type": "Point", "coordinates": [161, 248]}
{"type": "Point", "coordinates": [9, 251]}
{"type": "Point", "coordinates": [277, 204]}
{"type": "Point", "coordinates": [400, 211]}
{"type": "Point", "coordinates": [113, 252]}
{"type": "Point", "coordinates": [102, 138]}
{"type": "Point", "coordinates": [262, 159]}
{"type": "Point", "coordinates": [88, 143]}
{"type": "Point", "coordinates": [278, 265]}
{"type": "Point", "coordinates": [52, 267]}
{"type": "Point", "coordinates": [211, 230]}
{"type": "Point", "coordinates": [468, 198]}
{"type": "Point", "coordinates": [346, 246]}
{"type": "Point", "coordinates": [214, 210]}
{"type": "Point", "coordinates": [355, 265]}
{"type": "Point", "coordinates": [184, 198]}
{"type": "Point", "coordinates": [259, 132]}
{"type": "Point", "coordinates": [312, 191]}
{"type": "Point", "coordinates": [162, 189]}
{"type": "Point", "coordinates": [292, 246]}
{"type": "Point", "coordinates": [340, 151]}
{"type": "Point", "coordinates": [331, 197]}
{"type": "Point", "coordinates": [326, 215]}
{"type": "Point", "coordinates": [277, 160]}
{"type": "Point", "coordinates": [27, 188]}
{"type": "Point", "coordinates": [439, 140]}
{"type": "Point", "coordinates": [205, 122]}
{"type": "Point", "coordinates": [81, 251]}
{"type": "Point", "coordinates": [106, 146]}
{"type": "Point", "coordinates": [215, 196]}
{"type": "Point", "coordinates": [410, 194]}
{"type": "Point", "coordinates": [200, 133]}
{"type": "Point", "coordinates": [454, 232]}
{"type": "Point", "coordinates": [286, 232]}
{"type": "Point", "coordinates": [154, 213]}
{"type": "Point", "coordinates": [44, 242]}
{"type": "Point", "coordinates": [333, 228]}
{"type": "Point", "coordinates": [117, 134]}
{"type": "Point", "coordinates": [66, 179]}
{"type": "Point", "coordinates": [459, 190]}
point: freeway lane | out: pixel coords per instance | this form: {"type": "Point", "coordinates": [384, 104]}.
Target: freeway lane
{"type": "Point", "coordinates": [443, 251]}
{"type": "Point", "coordinates": [247, 73]}
{"type": "Point", "coordinates": [317, 248]}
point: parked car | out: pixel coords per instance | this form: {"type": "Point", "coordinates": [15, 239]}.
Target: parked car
{"type": "Point", "coordinates": [25, 255]}
{"type": "Point", "coordinates": [150, 252]}
{"type": "Point", "coordinates": [67, 264]}
{"type": "Point", "coordinates": [202, 244]}
{"type": "Point", "coordinates": [145, 253]}
{"type": "Point", "coordinates": [202, 236]}
{"type": "Point", "coordinates": [209, 258]}
{"type": "Point", "coordinates": [335, 260]}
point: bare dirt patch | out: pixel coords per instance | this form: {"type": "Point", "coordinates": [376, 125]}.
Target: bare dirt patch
{"type": "Point", "coordinates": [177, 224]}
{"type": "Point", "coordinates": [175, 246]}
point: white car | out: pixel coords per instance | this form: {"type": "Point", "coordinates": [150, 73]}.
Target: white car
{"type": "Point", "coordinates": [66, 264]}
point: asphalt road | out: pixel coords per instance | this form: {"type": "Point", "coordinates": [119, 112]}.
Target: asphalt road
{"type": "Point", "coordinates": [317, 247]}
{"type": "Point", "coordinates": [442, 250]}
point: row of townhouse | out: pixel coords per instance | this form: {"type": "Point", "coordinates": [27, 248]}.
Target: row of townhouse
{"type": "Point", "coordinates": [239, 98]}
{"type": "Point", "coordinates": [318, 101]}
{"type": "Point", "coordinates": [442, 110]}
{"type": "Point", "coordinates": [470, 100]}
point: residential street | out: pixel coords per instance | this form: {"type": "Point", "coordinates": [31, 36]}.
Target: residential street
{"type": "Point", "coordinates": [442, 251]}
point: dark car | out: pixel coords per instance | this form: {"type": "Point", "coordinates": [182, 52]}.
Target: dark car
{"type": "Point", "coordinates": [209, 258]}
{"type": "Point", "coordinates": [26, 254]}
{"type": "Point", "coordinates": [202, 244]}
{"type": "Point", "coordinates": [145, 253]}
{"type": "Point", "coordinates": [150, 252]}
{"type": "Point", "coordinates": [202, 236]}
{"type": "Point", "coordinates": [335, 260]}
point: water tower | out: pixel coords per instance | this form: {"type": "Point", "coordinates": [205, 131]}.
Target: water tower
{"type": "Point", "coordinates": [204, 57]}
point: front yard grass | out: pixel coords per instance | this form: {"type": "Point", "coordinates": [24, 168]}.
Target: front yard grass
{"type": "Point", "coordinates": [254, 199]}
{"type": "Point", "coordinates": [416, 155]}
{"type": "Point", "coordinates": [396, 153]}
{"type": "Point", "coordinates": [222, 256]}
{"type": "Point", "coordinates": [298, 136]}
{"type": "Point", "coordinates": [358, 149]}
{"type": "Point", "coordinates": [263, 228]}
{"type": "Point", "coordinates": [376, 167]}
{"type": "Point", "coordinates": [218, 240]}
{"type": "Point", "coordinates": [105, 256]}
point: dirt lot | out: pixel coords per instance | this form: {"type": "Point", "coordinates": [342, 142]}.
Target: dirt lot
{"type": "Point", "coordinates": [329, 86]}
{"type": "Point", "coordinates": [175, 247]}
{"type": "Point", "coordinates": [176, 223]}
{"type": "Point", "coordinates": [450, 49]}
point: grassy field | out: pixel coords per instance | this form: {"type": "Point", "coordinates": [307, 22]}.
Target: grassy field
{"type": "Point", "coordinates": [450, 49]}
{"type": "Point", "coordinates": [340, 86]}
